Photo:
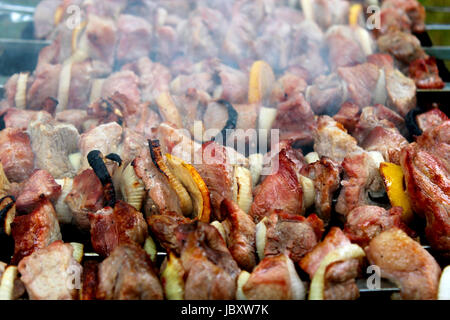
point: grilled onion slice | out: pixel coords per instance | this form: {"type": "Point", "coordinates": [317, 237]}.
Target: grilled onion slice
{"type": "Point", "coordinates": [64, 85]}
{"type": "Point", "coordinates": [256, 162]}
{"type": "Point", "coordinates": [7, 213]}
{"type": "Point", "coordinates": [75, 160]}
{"type": "Point", "coordinates": [150, 248]}
{"type": "Point", "coordinates": [243, 188]}
{"type": "Point", "coordinates": [7, 283]}
{"type": "Point", "coordinates": [261, 231]}
{"type": "Point", "coordinates": [351, 251]}
{"type": "Point", "coordinates": [218, 225]}
{"type": "Point", "coordinates": [309, 192]}
{"type": "Point", "coordinates": [63, 211]}
{"type": "Point", "coordinates": [173, 278]}
{"type": "Point", "coordinates": [194, 184]}
{"type": "Point", "coordinates": [312, 157]}
{"type": "Point", "coordinates": [4, 182]}
{"type": "Point", "coordinates": [168, 109]}
{"type": "Point", "coordinates": [307, 9]}
{"type": "Point", "coordinates": [78, 251]}
{"type": "Point", "coordinates": [444, 285]}
{"type": "Point", "coordinates": [131, 187]}
{"type": "Point", "coordinates": [242, 280]}
{"type": "Point", "coordinates": [380, 94]}
{"type": "Point", "coordinates": [266, 118]}
{"type": "Point", "coordinates": [21, 91]}
{"type": "Point", "coordinates": [185, 200]}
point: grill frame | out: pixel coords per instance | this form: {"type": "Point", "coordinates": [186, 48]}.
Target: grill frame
{"type": "Point", "coordinates": [426, 99]}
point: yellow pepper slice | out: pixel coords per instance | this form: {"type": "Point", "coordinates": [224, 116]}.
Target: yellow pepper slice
{"type": "Point", "coordinates": [392, 175]}
{"type": "Point", "coordinates": [261, 82]}
{"type": "Point", "coordinates": [354, 14]}
{"type": "Point", "coordinates": [195, 186]}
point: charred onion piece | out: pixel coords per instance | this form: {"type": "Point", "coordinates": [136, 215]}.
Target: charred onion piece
{"type": "Point", "coordinates": [97, 164]}
{"type": "Point", "coordinates": [7, 213]}
{"type": "Point", "coordinates": [155, 153]}
{"type": "Point", "coordinates": [232, 119]}
{"type": "Point", "coordinates": [411, 122]}
{"type": "Point", "coordinates": [114, 157]}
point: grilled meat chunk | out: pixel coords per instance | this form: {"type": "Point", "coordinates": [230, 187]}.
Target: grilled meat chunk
{"type": "Point", "coordinates": [405, 47]}
{"type": "Point", "coordinates": [89, 280]}
{"type": "Point", "coordinates": [361, 82]}
{"type": "Point", "coordinates": [288, 86]}
{"type": "Point", "coordinates": [431, 119]}
{"type": "Point", "coordinates": [295, 120]}
{"type": "Point", "coordinates": [381, 60]}
{"type": "Point", "coordinates": [426, 165]}
{"type": "Point", "coordinates": [132, 145]}
{"type": "Point", "coordinates": [41, 185]}
{"type": "Point", "coordinates": [111, 227]}
{"type": "Point", "coordinates": [404, 261]}
{"type": "Point", "coordinates": [45, 84]}
{"type": "Point", "coordinates": [361, 177]}
{"type": "Point", "coordinates": [34, 231]}
{"type": "Point", "coordinates": [125, 82]}
{"type": "Point", "coordinates": [339, 276]}
{"type": "Point", "coordinates": [426, 74]}
{"type": "Point", "coordinates": [134, 38]}
{"type": "Point", "coordinates": [401, 92]}
{"type": "Point", "coordinates": [328, 13]}
{"type": "Point", "coordinates": [240, 238]}
{"type": "Point", "coordinates": [44, 17]}
{"type": "Point", "coordinates": [101, 33]}
{"type": "Point", "coordinates": [326, 94]}
{"type": "Point", "coordinates": [217, 170]}
{"type": "Point", "coordinates": [234, 84]}
{"type": "Point", "coordinates": [16, 154]}
{"type": "Point", "coordinates": [375, 132]}
{"type": "Point", "coordinates": [389, 142]}
{"type": "Point", "coordinates": [274, 278]}
{"type": "Point", "coordinates": [378, 116]}
{"type": "Point", "coordinates": [86, 196]}
{"type": "Point", "coordinates": [156, 184]}
{"type": "Point", "coordinates": [51, 273]}
{"type": "Point", "coordinates": [293, 235]}
{"type": "Point", "coordinates": [154, 78]}
{"type": "Point", "coordinates": [343, 48]}
{"type": "Point", "coordinates": [331, 140]}
{"type": "Point", "coordinates": [366, 222]}
{"type": "Point", "coordinates": [104, 138]}
{"type": "Point", "coordinates": [52, 144]}
{"type": "Point", "coordinates": [128, 274]}
{"type": "Point", "coordinates": [76, 117]}
{"type": "Point", "coordinates": [348, 116]}
{"type": "Point", "coordinates": [18, 118]}
{"type": "Point", "coordinates": [210, 270]}
{"type": "Point", "coordinates": [413, 9]}
{"type": "Point", "coordinates": [163, 228]}
{"type": "Point", "coordinates": [279, 192]}
{"type": "Point", "coordinates": [325, 174]}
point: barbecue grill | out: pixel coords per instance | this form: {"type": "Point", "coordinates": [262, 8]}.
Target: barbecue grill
{"type": "Point", "coordinates": [19, 52]}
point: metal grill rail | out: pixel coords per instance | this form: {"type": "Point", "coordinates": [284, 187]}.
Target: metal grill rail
{"type": "Point", "coordinates": [439, 52]}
